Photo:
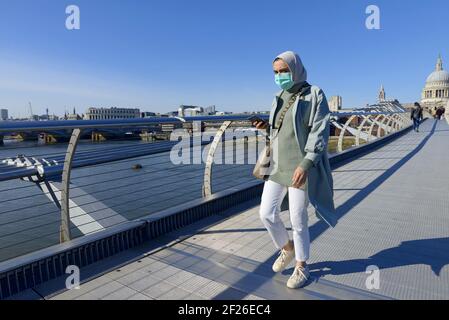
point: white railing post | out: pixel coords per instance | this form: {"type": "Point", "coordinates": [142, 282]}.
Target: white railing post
{"type": "Point", "coordinates": [65, 234]}
{"type": "Point", "coordinates": [207, 185]}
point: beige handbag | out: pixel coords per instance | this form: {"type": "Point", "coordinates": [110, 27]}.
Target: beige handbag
{"type": "Point", "coordinates": [261, 169]}
{"type": "Point", "coordinates": [263, 163]}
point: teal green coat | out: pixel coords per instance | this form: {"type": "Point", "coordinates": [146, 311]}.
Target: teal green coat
{"type": "Point", "coordinates": [311, 118]}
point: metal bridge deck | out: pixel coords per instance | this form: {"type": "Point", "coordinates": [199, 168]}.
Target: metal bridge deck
{"type": "Point", "coordinates": [394, 210]}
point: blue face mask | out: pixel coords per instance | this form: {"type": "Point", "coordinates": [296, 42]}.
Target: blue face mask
{"type": "Point", "coordinates": [284, 80]}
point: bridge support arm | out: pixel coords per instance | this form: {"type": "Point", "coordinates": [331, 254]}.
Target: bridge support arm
{"type": "Point", "coordinates": [342, 133]}
{"type": "Point", "coordinates": [360, 130]}
{"type": "Point", "coordinates": [207, 183]}
{"type": "Point", "coordinates": [384, 126]}
{"type": "Point", "coordinates": [65, 234]}
{"type": "Point", "coordinates": [373, 123]}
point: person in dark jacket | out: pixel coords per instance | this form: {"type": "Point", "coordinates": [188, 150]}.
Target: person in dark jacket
{"type": "Point", "coordinates": [439, 113]}
{"type": "Point", "coordinates": [416, 115]}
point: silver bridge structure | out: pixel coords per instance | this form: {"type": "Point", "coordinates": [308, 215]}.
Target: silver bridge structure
{"type": "Point", "coordinates": [79, 204]}
{"type": "Point", "coordinates": [386, 116]}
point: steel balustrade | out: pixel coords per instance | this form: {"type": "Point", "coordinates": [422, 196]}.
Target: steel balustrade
{"type": "Point", "coordinates": [387, 116]}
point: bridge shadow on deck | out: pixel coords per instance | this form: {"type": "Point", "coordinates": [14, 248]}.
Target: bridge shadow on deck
{"type": "Point", "coordinates": [385, 258]}
{"type": "Point", "coordinates": [407, 253]}
{"type": "Point", "coordinates": [317, 229]}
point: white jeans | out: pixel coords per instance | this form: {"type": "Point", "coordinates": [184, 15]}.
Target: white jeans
{"type": "Point", "coordinates": [270, 207]}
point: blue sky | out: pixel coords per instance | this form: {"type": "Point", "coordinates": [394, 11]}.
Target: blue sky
{"type": "Point", "coordinates": [158, 54]}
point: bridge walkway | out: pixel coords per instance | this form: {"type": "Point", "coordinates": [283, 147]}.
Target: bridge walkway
{"type": "Point", "coordinates": [393, 206]}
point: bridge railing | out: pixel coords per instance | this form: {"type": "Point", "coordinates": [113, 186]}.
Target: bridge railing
{"type": "Point", "coordinates": [82, 200]}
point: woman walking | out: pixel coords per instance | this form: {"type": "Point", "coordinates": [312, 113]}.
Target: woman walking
{"type": "Point", "coordinates": [300, 117]}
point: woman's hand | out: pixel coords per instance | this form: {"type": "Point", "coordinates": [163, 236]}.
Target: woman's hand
{"type": "Point", "coordinates": [299, 177]}
{"type": "Point", "coordinates": [260, 124]}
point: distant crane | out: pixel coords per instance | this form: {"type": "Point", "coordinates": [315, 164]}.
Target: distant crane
{"type": "Point", "coordinates": [30, 111]}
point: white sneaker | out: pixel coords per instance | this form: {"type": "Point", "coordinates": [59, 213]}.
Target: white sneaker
{"type": "Point", "coordinates": [298, 278]}
{"type": "Point", "coordinates": [285, 257]}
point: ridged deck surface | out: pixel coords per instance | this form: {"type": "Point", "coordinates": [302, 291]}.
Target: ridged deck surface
{"type": "Point", "coordinates": [394, 214]}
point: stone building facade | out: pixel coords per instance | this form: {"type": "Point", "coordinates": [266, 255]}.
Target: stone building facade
{"type": "Point", "coordinates": [111, 113]}
{"type": "Point", "coordinates": [435, 94]}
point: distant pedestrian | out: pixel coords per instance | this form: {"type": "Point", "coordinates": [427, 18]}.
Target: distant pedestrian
{"type": "Point", "coordinates": [416, 115]}
{"type": "Point", "coordinates": [439, 113]}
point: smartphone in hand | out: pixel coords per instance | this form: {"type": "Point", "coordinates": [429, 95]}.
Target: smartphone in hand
{"type": "Point", "coordinates": [254, 118]}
